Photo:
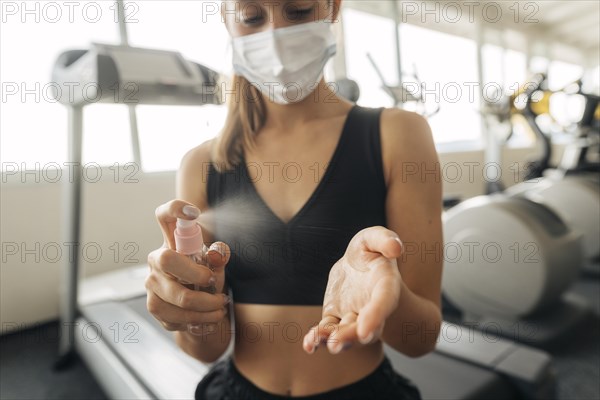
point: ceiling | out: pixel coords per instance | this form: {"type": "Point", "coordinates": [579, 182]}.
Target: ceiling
{"type": "Point", "coordinates": [563, 29]}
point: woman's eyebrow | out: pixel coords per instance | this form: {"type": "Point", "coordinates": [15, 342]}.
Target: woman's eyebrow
{"type": "Point", "coordinates": [277, 2]}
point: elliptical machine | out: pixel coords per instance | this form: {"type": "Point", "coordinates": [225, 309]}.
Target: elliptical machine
{"type": "Point", "coordinates": [572, 188]}
{"type": "Point", "coordinates": [509, 258]}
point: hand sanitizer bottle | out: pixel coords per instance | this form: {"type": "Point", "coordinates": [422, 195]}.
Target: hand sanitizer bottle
{"type": "Point", "coordinates": [189, 241]}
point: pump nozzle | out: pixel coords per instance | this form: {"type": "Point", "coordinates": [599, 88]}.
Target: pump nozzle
{"type": "Point", "coordinates": [188, 237]}
{"type": "Point", "coordinates": [185, 223]}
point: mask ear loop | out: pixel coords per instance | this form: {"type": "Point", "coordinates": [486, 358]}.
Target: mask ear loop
{"type": "Point", "coordinates": [335, 29]}
{"type": "Point", "coordinates": [229, 72]}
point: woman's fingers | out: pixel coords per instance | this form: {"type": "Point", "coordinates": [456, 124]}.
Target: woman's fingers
{"type": "Point", "coordinates": [171, 263]}
{"type": "Point", "coordinates": [384, 300]}
{"type": "Point", "coordinates": [167, 214]}
{"type": "Point", "coordinates": [176, 318]}
{"type": "Point", "coordinates": [348, 318]}
{"type": "Point", "coordinates": [344, 335]}
{"type": "Point", "coordinates": [319, 333]}
{"type": "Point", "coordinates": [338, 336]}
{"type": "Point", "coordinates": [178, 295]}
{"type": "Point", "coordinates": [175, 306]}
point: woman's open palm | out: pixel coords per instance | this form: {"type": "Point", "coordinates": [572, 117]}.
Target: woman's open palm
{"type": "Point", "coordinates": [362, 291]}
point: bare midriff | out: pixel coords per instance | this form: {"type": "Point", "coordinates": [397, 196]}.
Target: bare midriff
{"type": "Point", "coordinates": [268, 351]}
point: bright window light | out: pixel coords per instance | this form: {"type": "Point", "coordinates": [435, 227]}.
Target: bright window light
{"type": "Point", "coordinates": [504, 68]}
{"type": "Point", "coordinates": [538, 64]}
{"type": "Point", "coordinates": [106, 135]}
{"type": "Point", "coordinates": [561, 73]}
{"type": "Point", "coordinates": [458, 119]}
{"type": "Point", "coordinates": [196, 30]}
{"type": "Point", "coordinates": [167, 133]}
{"type": "Point", "coordinates": [447, 65]}
{"type": "Point", "coordinates": [33, 126]}
{"type": "Point", "coordinates": [367, 33]}
{"type": "Point", "coordinates": [592, 81]}
{"type": "Point", "coordinates": [515, 64]}
{"type": "Point", "coordinates": [185, 26]}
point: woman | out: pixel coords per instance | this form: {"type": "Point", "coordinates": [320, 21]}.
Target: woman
{"type": "Point", "coordinates": [309, 196]}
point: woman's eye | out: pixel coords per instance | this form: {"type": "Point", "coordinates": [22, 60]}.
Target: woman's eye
{"type": "Point", "coordinates": [252, 20]}
{"type": "Point", "coordinates": [299, 14]}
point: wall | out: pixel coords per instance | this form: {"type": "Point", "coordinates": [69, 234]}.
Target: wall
{"type": "Point", "coordinates": [118, 229]}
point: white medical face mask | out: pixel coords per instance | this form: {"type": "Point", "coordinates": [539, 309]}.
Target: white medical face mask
{"type": "Point", "coordinates": [285, 64]}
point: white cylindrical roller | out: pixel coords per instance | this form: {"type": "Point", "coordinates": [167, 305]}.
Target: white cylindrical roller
{"type": "Point", "coordinates": [575, 199]}
{"type": "Point", "coordinates": [507, 256]}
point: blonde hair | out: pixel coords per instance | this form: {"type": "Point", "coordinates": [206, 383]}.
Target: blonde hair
{"type": "Point", "coordinates": [246, 115]}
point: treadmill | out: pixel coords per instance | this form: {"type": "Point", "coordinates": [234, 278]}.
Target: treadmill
{"type": "Point", "coordinates": [133, 357]}
{"type": "Point", "coordinates": [129, 352]}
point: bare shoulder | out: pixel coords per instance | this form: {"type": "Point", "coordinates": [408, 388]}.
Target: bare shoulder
{"type": "Point", "coordinates": [406, 137]}
{"type": "Point", "coordinates": [193, 173]}
{"type": "Point", "coordinates": [200, 153]}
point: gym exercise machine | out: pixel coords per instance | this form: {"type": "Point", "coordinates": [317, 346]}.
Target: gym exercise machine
{"type": "Point", "coordinates": [114, 74]}
{"type": "Point", "coordinates": [508, 262]}
{"type": "Point", "coordinates": [511, 255]}
{"type": "Point", "coordinates": [572, 188]}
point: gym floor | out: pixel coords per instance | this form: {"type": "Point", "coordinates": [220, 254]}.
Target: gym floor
{"type": "Point", "coordinates": [577, 361]}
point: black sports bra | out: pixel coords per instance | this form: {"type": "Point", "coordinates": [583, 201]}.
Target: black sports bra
{"type": "Point", "coordinates": [274, 262]}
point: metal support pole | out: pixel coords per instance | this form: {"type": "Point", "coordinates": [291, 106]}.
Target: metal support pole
{"type": "Point", "coordinates": [71, 234]}
{"type": "Point", "coordinates": [133, 125]}
{"type": "Point", "coordinates": [135, 136]}
{"type": "Point", "coordinates": [492, 151]}
{"type": "Point", "coordinates": [72, 190]}
{"type": "Point", "coordinates": [397, 20]}
{"type": "Point", "coordinates": [122, 22]}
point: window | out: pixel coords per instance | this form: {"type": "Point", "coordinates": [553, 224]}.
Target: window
{"type": "Point", "coordinates": [106, 134]}
{"type": "Point", "coordinates": [538, 64]}
{"type": "Point", "coordinates": [189, 27]}
{"type": "Point", "coordinates": [504, 67]}
{"type": "Point", "coordinates": [367, 33]}
{"type": "Point", "coordinates": [196, 30]}
{"type": "Point", "coordinates": [167, 133]}
{"type": "Point", "coordinates": [447, 66]}
{"type": "Point", "coordinates": [565, 110]}
{"type": "Point", "coordinates": [33, 125]}
{"type": "Point", "coordinates": [505, 70]}
{"type": "Point", "coordinates": [561, 73]}
{"type": "Point", "coordinates": [592, 81]}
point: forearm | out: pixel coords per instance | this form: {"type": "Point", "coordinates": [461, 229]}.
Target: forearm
{"type": "Point", "coordinates": [207, 348]}
{"type": "Point", "coordinates": [413, 328]}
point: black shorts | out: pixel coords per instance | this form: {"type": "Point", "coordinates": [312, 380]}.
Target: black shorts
{"type": "Point", "coordinates": [225, 382]}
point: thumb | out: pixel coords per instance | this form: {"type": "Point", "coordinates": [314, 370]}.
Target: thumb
{"type": "Point", "coordinates": [218, 255]}
{"type": "Point", "coordinates": [378, 239]}
{"type": "Point", "coordinates": [167, 214]}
